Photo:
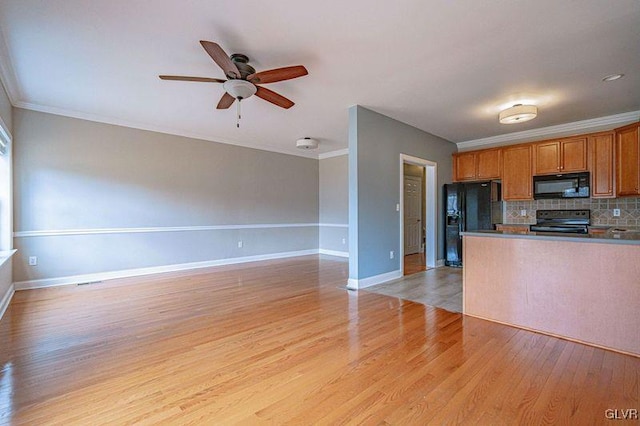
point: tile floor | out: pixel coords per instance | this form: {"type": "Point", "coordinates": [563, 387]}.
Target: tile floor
{"type": "Point", "coordinates": [439, 287]}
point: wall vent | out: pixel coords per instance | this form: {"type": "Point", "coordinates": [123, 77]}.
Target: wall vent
{"type": "Point", "coordinates": [90, 283]}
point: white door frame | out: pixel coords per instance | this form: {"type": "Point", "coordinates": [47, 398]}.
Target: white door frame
{"type": "Point", "coordinates": [430, 208]}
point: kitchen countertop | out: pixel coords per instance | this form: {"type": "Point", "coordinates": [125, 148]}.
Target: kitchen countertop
{"type": "Point", "coordinates": [609, 237]}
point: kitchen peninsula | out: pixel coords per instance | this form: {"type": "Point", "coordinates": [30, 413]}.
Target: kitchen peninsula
{"type": "Point", "coordinates": [583, 288]}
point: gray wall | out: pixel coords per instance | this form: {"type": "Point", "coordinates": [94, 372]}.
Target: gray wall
{"type": "Point", "coordinates": [6, 114]}
{"type": "Point", "coordinates": [76, 174]}
{"type": "Point", "coordinates": [334, 203]}
{"type": "Point", "coordinates": [375, 144]}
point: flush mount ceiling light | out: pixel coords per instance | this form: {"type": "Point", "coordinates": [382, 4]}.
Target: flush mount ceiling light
{"type": "Point", "coordinates": [306, 143]}
{"type": "Point", "coordinates": [612, 77]}
{"type": "Point", "coordinates": [518, 114]}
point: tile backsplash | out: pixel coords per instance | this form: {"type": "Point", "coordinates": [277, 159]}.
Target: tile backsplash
{"type": "Point", "coordinates": [601, 210]}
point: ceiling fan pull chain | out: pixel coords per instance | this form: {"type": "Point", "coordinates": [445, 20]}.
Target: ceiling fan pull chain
{"type": "Point", "coordinates": [238, 109]}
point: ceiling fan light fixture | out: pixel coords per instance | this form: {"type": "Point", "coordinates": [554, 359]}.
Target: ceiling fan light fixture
{"type": "Point", "coordinates": [518, 113]}
{"type": "Point", "coordinates": [239, 89]}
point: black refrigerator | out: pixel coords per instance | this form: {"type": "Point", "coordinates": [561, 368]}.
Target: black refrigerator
{"type": "Point", "coordinates": [469, 207]}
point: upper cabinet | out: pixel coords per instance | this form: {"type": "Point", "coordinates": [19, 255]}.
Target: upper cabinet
{"type": "Point", "coordinates": [517, 171]}
{"type": "Point", "coordinates": [489, 164]}
{"type": "Point", "coordinates": [601, 165]}
{"type": "Point", "coordinates": [464, 166]}
{"type": "Point", "coordinates": [562, 156]}
{"type": "Point", "coordinates": [477, 165]}
{"type": "Point", "coordinates": [628, 159]}
{"type": "Point", "coordinates": [612, 158]}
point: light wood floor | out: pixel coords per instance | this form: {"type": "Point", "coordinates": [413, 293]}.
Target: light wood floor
{"type": "Point", "coordinates": [439, 287]}
{"type": "Point", "coordinates": [280, 342]}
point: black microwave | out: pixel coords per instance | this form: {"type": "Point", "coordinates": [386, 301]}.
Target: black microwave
{"type": "Point", "coordinates": [570, 185]}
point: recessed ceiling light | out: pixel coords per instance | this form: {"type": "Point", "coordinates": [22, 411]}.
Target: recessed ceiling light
{"type": "Point", "coordinates": [613, 77]}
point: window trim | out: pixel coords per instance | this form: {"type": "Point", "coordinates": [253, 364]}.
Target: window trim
{"type": "Point", "coordinates": [6, 219]}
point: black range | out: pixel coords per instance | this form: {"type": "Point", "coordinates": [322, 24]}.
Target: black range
{"type": "Point", "coordinates": [562, 221]}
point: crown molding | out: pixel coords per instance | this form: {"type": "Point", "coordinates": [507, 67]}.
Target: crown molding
{"type": "Point", "coordinates": [7, 73]}
{"type": "Point", "coordinates": [330, 154]}
{"type": "Point", "coordinates": [582, 126]}
{"type": "Point", "coordinates": [158, 129]}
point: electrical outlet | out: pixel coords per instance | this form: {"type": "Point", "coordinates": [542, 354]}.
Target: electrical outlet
{"type": "Point", "coordinates": [398, 207]}
{"type": "Point", "coordinates": [616, 212]}
{"type": "Point", "coordinates": [33, 260]}
{"type": "Point", "coordinates": [344, 241]}
{"type": "Point", "coordinates": [391, 254]}
{"type": "Point", "coordinates": [239, 244]}
{"type": "Point", "coordinates": [523, 212]}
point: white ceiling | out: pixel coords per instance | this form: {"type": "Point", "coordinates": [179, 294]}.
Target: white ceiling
{"type": "Point", "coordinates": [442, 66]}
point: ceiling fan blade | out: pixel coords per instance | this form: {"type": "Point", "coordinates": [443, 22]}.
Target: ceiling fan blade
{"type": "Point", "coordinates": [225, 101]}
{"type": "Point", "coordinates": [278, 74]}
{"type": "Point", "coordinates": [221, 58]}
{"type": "Point", "coordinates": [274, 98]}
{"type": "Point", "coordinates": [185, 78]}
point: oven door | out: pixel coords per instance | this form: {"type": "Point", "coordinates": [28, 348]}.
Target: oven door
{"type": "Point", "coordinates": [568, 229]}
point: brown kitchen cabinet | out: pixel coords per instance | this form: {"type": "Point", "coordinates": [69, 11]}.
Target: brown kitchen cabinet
{"type": "Point", "coordinates": [601, 164]}
{"type": "Point", "coordinates": [516, 173]}
{"type": "Point", "coordinates": [628, 160]}
{"type": "Point", "coordinates": [512, 228]}
{"type": "Point", "coordinates": [464, 166]}
{"type": "Point", "coordinates": [489, 164]}
{"type": "Point", "coordinates": [561, 156]}
{"type": "Point", "coordinates": [477, 165]}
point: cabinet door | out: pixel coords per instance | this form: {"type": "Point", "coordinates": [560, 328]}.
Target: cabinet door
{"type": "Point", "coordinates": [513, 229]}
{"type": "Point", "coordinates": [464, 166]}
{"type": "Point", "coordinates": [574, 155]}
{"type": "Point", "coordinates": [601, 149]}
{"type": "Point", "coordinates": [628, 160]}
{"type": "Point", "coordinates": [516, 173]}
{"type": "Point", "coordinates": [547, 158]}
{"type": "Point", "coordinates": [489, 164]}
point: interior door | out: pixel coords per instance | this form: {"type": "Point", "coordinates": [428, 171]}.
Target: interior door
{"type": "Point", "coordinates": [412, 214]}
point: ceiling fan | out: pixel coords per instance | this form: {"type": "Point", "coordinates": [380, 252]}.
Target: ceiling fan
{"type": "Point", "coordinates": [243, 80]}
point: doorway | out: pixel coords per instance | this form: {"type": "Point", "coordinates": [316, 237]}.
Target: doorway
{"type": "Point", "coordinates": [418, 217]}
{"type": "Point", "coordinates": [414, 219]}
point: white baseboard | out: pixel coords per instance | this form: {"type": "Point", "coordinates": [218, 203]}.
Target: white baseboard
{"type": "Point", "coordinates": [439, 263]}
{"type": "Point", "coordinates": [334, 252]}
{"type": "Point", "coordinates": [100, 276]}
{"type": "Point", "coordinates": [6, 299]}
{"type": "Point", "coordinates": [355, 284]}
